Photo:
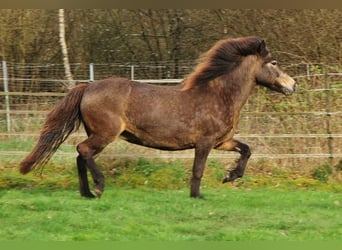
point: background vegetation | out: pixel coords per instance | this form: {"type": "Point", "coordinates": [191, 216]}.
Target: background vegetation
{"type": "Point", "coordinates": [145, 35]}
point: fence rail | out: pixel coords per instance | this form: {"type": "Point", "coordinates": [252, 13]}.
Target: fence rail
{"type": "Point", "coordinates": [306, 125]}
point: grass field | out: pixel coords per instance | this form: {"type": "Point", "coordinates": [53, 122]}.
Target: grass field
{"type": "Point", "coordinates": [134, 214]}
{"type": "Point", "coordinates": [149, 200]}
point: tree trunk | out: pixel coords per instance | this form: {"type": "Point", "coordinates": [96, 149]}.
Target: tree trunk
{"type": "Point", "coordinates": [69, 83]}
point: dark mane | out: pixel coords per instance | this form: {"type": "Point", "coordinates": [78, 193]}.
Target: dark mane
{"type": "Point", "coordinates": [222, 58]}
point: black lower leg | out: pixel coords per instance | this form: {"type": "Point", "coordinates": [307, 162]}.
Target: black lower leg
{"type": "Point", "coordinates": [195, 187]}
{"type": "Point", "coordinates": [239, 170]}
{"type": "Point", "coordinates": [83, 178]}
{"type": "Point", "coordinates": [201, 154]}
{"type": "Point", "coordinates": [97, 175]}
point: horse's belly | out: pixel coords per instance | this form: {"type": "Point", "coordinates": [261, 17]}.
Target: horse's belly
{"type": "Point", "coordinates": [171, 144]}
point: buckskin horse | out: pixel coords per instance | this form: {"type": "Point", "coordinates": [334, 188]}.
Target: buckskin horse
{"type": "Point", "coordinates": [202, 112]}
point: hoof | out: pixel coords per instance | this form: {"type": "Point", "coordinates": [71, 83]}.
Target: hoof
{"type": "Point", "coordinates": [88, 195]}
{"type": "Point", "coordinates": [197, 197]}
{"type": "Point", "coordinates": [98, 192]}
{"type": "Point", "coordinates": [230, 177]}
{"type": "Point", "coordinates": [225, 179]}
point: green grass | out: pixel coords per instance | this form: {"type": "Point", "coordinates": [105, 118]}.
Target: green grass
{"type": "Point", "coordinates": [136, 214]}
{"type": "Point", "coordinates": [149, 200]}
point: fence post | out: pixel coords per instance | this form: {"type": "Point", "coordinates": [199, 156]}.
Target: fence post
{"type": "Point", "coordinates": [7, 104]}
{"type": "Point", "coordinates": [308, 71]}
{"type": "Point", "coordinates": [327, 88]}
{"type": "Point", "coordinates": [132, 72]}
{"type": "Point", "coordinates": [91, 72]}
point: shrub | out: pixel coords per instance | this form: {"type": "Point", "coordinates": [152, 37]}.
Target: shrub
{"type": "Point", "coordinates": [322, 173]}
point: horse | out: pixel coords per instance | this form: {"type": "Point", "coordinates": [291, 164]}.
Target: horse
{"type": "Point", "coordinates": [200, 113]}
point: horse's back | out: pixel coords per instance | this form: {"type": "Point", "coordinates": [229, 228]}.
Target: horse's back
{"type": "Point", "coordinates": [120, 88]}
{"type": "Point", "coordinates": [121, 97]}
{"type": "Point", "coordinates": [100, 91]}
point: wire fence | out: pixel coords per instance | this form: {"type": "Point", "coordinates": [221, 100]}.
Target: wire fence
{"type": "Point", "coordinates": [306, 126]}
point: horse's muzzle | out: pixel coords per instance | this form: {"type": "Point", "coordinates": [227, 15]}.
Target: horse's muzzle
{"type": "Point", "coordinates": [289, 90]}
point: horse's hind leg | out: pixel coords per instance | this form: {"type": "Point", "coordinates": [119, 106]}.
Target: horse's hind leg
{"type": "Point", "coordinates": [87, 150]}
{"type": "Point", "coordinates": [83, 178]}
{"type": "Point", "coordinates": [243, 149]}
{"type": "Point", "coordinates": [97, 175]}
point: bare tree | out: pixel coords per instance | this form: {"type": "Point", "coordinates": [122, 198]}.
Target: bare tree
{"type": "Point", "coordinates": [70, 83]}
{"type": "Point", "coordinates": [164, 35]}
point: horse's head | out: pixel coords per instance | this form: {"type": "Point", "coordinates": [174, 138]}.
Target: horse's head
{"type": "Point", "coordinates": [271, 76]}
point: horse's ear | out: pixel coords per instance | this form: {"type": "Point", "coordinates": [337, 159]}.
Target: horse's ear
{"type": "Point", "coordinates": [262, 50]}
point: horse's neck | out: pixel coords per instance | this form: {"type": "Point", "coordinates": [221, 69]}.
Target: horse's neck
{"type": "Point", "coordinates": [239, 85]}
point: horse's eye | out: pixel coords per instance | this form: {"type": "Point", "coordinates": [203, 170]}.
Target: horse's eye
{"type": "Point", "coordinates": [274, 63]}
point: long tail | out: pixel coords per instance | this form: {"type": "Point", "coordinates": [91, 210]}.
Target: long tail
{"type": "Point", "coordinates": [59, 124]}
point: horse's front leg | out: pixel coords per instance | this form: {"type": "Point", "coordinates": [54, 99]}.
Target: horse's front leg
{"type": "Point", "coordinates": [201, 155]}
{"type": "Point", "coordinates": [243, 149]}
